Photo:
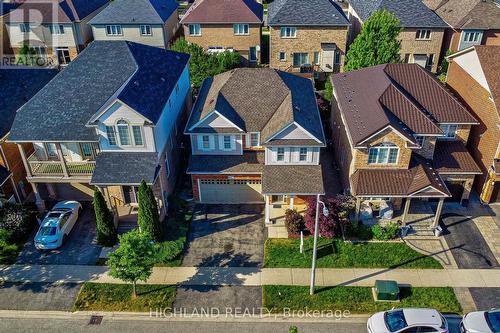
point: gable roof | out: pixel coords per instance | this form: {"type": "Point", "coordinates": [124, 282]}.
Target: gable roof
{"type": "Point", "coordinates": [310, 12]}
{"type": "Point", "coordinates": [411, 13]}
{"type": "Point", "coordinates": [17, 86]}
{"type": "Point", "coordinates": [467, 14]}
{"type": "Point", "coordinates": [55, 11]}
{"type": "Point", "coordinates": [259, 100]}
{"type": "Point", "coordinates": [145, 75]}
{"type": "Point", "coordinates": [488, 57]}
{"type": "Point", "coordinates": [224, 11]}
{"type": "Point", "coordinates": [404, 96]}
{"type": "Point", "coordinates": [136, 12]}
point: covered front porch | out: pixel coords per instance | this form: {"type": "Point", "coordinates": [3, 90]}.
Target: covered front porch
{"type": "Point", "coordinates": [276, 206]}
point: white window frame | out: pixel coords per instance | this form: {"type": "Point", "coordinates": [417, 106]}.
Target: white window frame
{"type": "Point", "coordinates": [141, 132]}
{"type": "Point", "coordinates": [201, 142]}
{"type": "Point", "coordinates": [124, 123]}
{"type": "Point", "coordinates": [196, 31]}
{"type": "Point", "coordinates": [63, 50]}
{"type": "Point", "coordinates": [241, 29]}
{"type": "Point", "coordinates": [378, 161]}
{"type": "Point", "coordinates": [114, 30]}
{"type": "Point", "coordinates": [278, 154]}
{"type": "Point", "coordinates": [471, 36]}
{"type": "Point", "coordinates": [306, 155]}
{"type": "Point", "coordinates": [288, 32]}
{"type": "Point", "coordinates": [146, 30]}
{"type": "Point", "coordinates": [111, 130]}
{"type": "Point", "coordinates": [56, 29]}
{"type": "Point", "coordinates": [446, 131]}
{"type": "Point", "coordinates": [423, 34]}
{"type": "Point", "coordinates": [249, 139]}
{"type": "Point", "coordinates": [222, 142]}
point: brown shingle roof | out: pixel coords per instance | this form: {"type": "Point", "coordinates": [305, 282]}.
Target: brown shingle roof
{"type": "Point", "coordinates": [405, 96]}
{"type": "Point", "coordinates": [488, 57]}
{"type": "Point", "coordinates": [298, 179]}
{"type": "Point", "coordinates": [398, 182]}
{"type": "Point", "coordinates": [249, 162]}
{"type": "Point", "coordinates": [467, 14]}
{"type": "Point", "coordinates": [451, 157]}
{"type": "Point", "coordinates": [224, 11]}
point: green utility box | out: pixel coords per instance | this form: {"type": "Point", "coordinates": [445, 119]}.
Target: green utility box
{"type": "Point", "coordinates": [386, 290]}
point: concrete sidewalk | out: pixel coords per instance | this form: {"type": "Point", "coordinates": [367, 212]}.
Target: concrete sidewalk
{"type": "Point", "coordinates": [233, 276]}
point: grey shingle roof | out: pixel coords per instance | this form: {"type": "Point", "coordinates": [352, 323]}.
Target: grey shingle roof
{"type": "Point", "coordinates": [249, 162]}
{"type": "Point", "coordinates": [70, 100]}
{"type": "Point", "coordinates": [411, 13]}
{"type": "Point", "coordinates": [136, 12]}
{"type": "Point", "coordinates": [125, 168]}
{"type": "Point", "coordinates": [298, 179]}
{"type": "Point", "coordinates": [260, 100]}
{"type": "Point", "coordinates": [310, 12]}
{"type": "Point", "coordinates": [17, 86]}
{"type": "Point", "coordinates": [468, 14]}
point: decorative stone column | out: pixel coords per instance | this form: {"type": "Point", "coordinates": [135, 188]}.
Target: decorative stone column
{"type": "Point", "coordinates": [406, 210]}
{"type": "Point", "coordinates": [438, 213]}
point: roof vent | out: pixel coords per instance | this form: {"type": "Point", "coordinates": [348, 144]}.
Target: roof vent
{"type": "Point", "coordinates": [136, 83]}
{"type": "Point", "coordinates": [162, 79]}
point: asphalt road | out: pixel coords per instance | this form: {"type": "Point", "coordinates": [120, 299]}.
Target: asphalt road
{"type": "Point", "coordinates": [153, 326]}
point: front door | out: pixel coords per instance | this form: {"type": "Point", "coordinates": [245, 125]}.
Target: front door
{"type": "Point", "coordinates": [253, 54]}
{"type": "Point", "coordinates": [130, 194]}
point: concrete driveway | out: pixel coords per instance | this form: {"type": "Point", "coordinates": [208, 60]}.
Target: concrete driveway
{"type": "Point", "coordinates": [80, 248]}
{"type": "Point", "coordinates": [226, 236]}
{"type": "Point", "coordinates": [466, 243]}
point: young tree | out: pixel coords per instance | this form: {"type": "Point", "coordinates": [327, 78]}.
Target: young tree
{"type": "Point", "coordinates": [338, 207]}
{"type": "Point", "coordinates": [148, 218]}
{"type": "Point", "coordinates": [106, 231]}
{"type": "Point", "coordinates": [377, 43]}
{"type": "Point", "coordinates": [133, 260]}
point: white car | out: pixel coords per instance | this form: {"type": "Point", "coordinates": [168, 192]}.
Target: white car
{"type": "Point", "coordinates": [57, 225]}
{"type": "Point", "coordinates": [481, 322]}
{"type": "Point", "coordinates": [407, 321]}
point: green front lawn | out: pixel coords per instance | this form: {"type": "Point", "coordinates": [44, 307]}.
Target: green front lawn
{"type": "Point", "coordinates": [356, 299]}
{"type": "Point", "coordinates": [339, 254]}
{"type": "Point", "coordinates": [118, 297]}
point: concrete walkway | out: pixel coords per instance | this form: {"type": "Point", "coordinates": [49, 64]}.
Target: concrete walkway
{"type": "Point", "coordinates": [235, 276]}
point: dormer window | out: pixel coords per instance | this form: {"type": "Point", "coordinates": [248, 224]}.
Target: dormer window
{"type": "Point", "coordinates": [137, 131]}
{"type": "Point", "coordinates": [253, 140]}
{"type": "Point", "coordinates": [280, 154]}
{"type": "Point", "coordinates": [56, 29]}
{"type": "Point", "coordinates": [303, 154]}
{"type": "Point", "coordinates": [386, 153]}
{"type": "Point", "coordinates": [110, 132]}
{"type": "Point", "coordinates": [123, 132]}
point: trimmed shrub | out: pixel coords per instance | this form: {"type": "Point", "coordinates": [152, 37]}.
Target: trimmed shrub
{"type": "Point", "coordinates": [294, 222]}
{"type": "Point", "coordinates": [106, 231]}
{"type": "Point", "coordinates": [388, 232]}
{"type": "Point", "coordinates": [169, 250]}
{"type": "Point", "coordinates": [359, 231]}
{"type": "Point", "coordinates": [7, 250]}
{"type": "Point", "coordinates": [18, 220]}
{"type": "Point", "coordinates": [148, 218]}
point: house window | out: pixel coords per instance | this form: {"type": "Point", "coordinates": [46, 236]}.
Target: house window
{"type": "Point", "coordinates": [472, 36]}
{"type": "Point", "coordinates": [56, 29]}
{"type": "Point", "coordinates": [145, 30]}
{"type": "Point", "coordinates": [288, 32]}
{"type": "Point", "coordinates": [316, 58]}
{"type": "Point", "coordinates": [205, 142]}
{"type": "Point", "coordinates": [280, 154]}
{"type": "Point", "coordinates": [240, 29]}
{"type": "Point", "coordinates": [24, 27]}
{"type": "Point", "coordinates": [282, 56]}
{"type": "Point", "coordinates": [51, 150]}
{"type": "Point", "coordinates": [430, 61]}
{"type": "Point", "coordinates": [227, 142]}
{"type": "Point", "coordinates": [278, 199]}
{"type": "Point", "coordinates": [420, 140]}
{"type": "Point", "coordinates": [450, 131]}
{"type": "Point", "coordinates": [86, 150]}
{"type": "Point", "coordinates": [300, 59]}
{"type": "Point", "coordinates": [194, 30]}
{"type": "Point", "coordinates": [110, 132]}
{"type": "Point", "coordinates": [407, 58]}
{"type": "Point", "coordinates": [253, 140]}
{"type": "Point", "coordinates": [137, 131]}
{"type": "Point", "coordinates": [337, 57]}
{"type": "Point", "coordinates": [123, 132]}
{"type": "Point", "coordinates": [423, 34]}
{"type": "Point", "coordinates": [302, 154]}
{"type": "Point", "coordinates": [114, 30]}
{"type": "Point", "coordinates": [384, 154]}
{"type": "Point", "coordinates": [63, 57]}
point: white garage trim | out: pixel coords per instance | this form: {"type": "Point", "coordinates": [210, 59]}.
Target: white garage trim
{"type": "Point", "coordinates": [230, 191]}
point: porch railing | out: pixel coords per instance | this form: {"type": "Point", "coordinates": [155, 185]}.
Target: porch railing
{"type": "Point", "coordinates": [49, 168]}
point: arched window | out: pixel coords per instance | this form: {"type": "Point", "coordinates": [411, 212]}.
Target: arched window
{"type": "Point", "coordinates": [123, 132]}
{"type": "Point", "coordinates": [386, 153]}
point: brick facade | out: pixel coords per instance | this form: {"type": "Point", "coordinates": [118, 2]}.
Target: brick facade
{"type": "Point", "coordinates": [223, 35]}
{"type": "Point", "coordinates": [308, 40]}
{"type": "Point", "coordinates": [485, 137]}
{"type": "Point", "coordinates": [10, 158]}
{"type": "Point", "coordinates": [410, 45]}
{"type": "Point", "coordinates": [195, 178]}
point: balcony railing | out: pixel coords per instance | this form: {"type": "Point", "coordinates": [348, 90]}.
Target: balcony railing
{"type": "Point", "coordinates": [50, 168]}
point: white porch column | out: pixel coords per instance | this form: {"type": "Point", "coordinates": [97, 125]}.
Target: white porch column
{"type": "Point", "coordinates": [62, 160]}
{"type": "Point", "coordinates": [38, 199]}
{"type": "Point", "coordinates": [358, 207]}
{"type": "Point", "coordinates": [292, 201]}
{"type": "Point", "coordinates": [267, 212]}
{"type": "Point", "coordinates": [438, 213]}
{"type": "Point", "coordinates": [406, 210]}
{"type": "Point", "coordinates": [25, 160]}
{"type": "Point", "coordinates": [51, 189]}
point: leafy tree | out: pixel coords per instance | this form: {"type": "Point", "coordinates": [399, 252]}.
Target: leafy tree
{"type": "Point", "coordinates": [133, 260]}
{"type": "Point", "coordinates": [338, 207]}
{"type": "Point", "coordinates": [203, 65]}
{"type": "Point", "coordinates": [26, 55]}
{"type": "Point", "coordinates": [106, 231]}
{"type": "Point", "coordinates": [377, 43]}
{"type": "Point", "coordinates": [148, 218]}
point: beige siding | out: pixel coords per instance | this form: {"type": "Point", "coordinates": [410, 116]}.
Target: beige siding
{"type": "Point", "coordinates": [132, 33]}
{"type": "Point", "coordinates": [42, 34]}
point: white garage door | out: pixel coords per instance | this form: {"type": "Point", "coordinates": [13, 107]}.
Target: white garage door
{"type": "Point", "coordinates": [231, 191]}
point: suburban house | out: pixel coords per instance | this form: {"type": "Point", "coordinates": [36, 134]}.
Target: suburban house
{"type": "Point", "coordinates": [127, 132]}
{"type": "Point", "coordinates": [150, 22]}
{"type": "Point", "coordinates": [218, 25]}
{"type": "Point", "coordinates": [472, 22]}
{"type": "Point", "coordinates": [422, 34]}
{"type": "Point", "coordinates": [474, 74]}
{"type": "Point", "coordinates": [307, 34]}
{"type": "Point", "coordinates": [57, 30]}
{"type": "Point", "coordinates": [256, 136]}
{"type": "Point", "coordinates": [5, 8]}
{"type": "Point", "coordinates": [17, 85]}
{"type": "Point", "coordinates": [399, 135]}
